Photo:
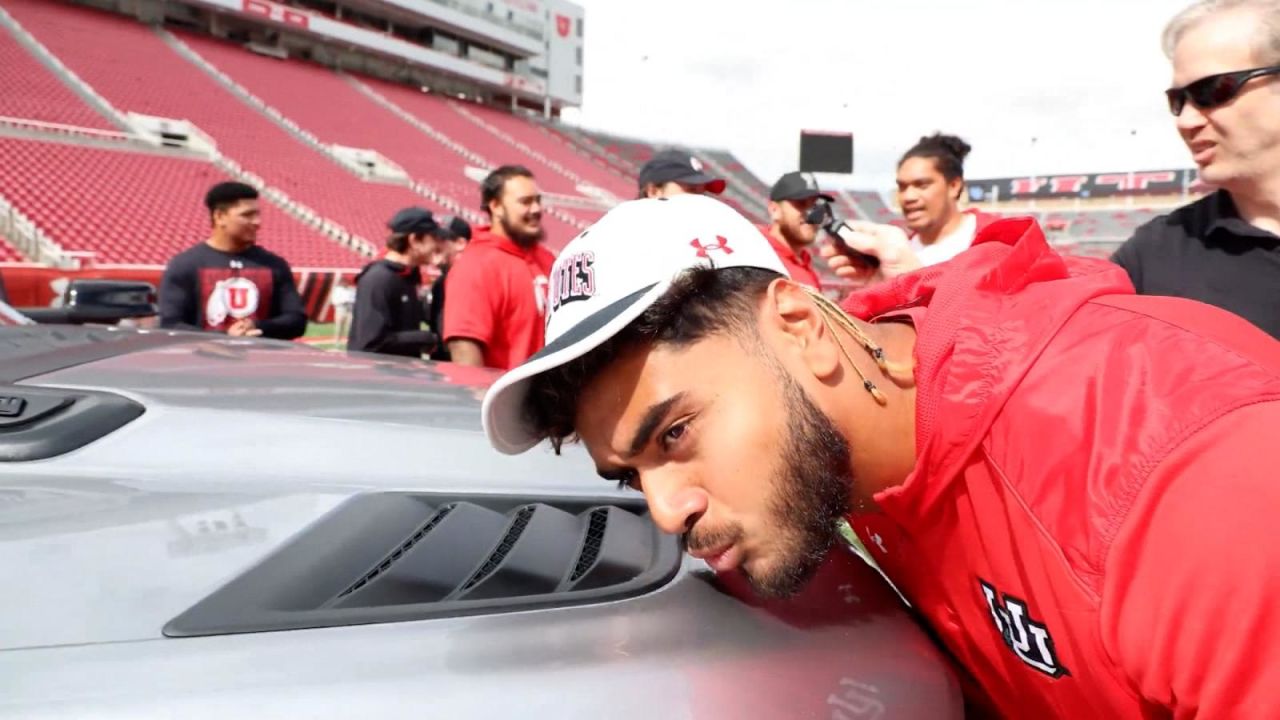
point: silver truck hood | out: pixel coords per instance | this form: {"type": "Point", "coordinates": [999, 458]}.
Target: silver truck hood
{"type": "Point", "coordinates": [240, 447]}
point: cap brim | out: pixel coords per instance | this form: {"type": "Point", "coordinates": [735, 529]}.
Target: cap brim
{"type": "Point", "coordinates": [804, 196]}
{"type": "Point", "coordinates": [714, 185]}
{"type": "Point", "coordinates": [502, 412]}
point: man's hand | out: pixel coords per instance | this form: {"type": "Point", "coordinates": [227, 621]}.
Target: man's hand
{"type": "Point", "coordinates": [886, 242]}
{"type": "Point", "coordinates": [244, 327]}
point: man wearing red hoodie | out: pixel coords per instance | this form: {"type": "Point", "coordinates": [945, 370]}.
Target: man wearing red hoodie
{"type": "Point", "coordinates": [497, 288]}
{"type": "Point", "coordinates": [1073, 485]}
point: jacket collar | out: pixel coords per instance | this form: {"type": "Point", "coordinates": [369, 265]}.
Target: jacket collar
{"type": "Point", "coordinates": [991, 311]}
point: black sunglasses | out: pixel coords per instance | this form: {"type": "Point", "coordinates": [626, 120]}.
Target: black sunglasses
{"type": "Point", "coordinates": [1214, 90]}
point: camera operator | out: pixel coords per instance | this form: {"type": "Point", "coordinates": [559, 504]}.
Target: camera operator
{"type": "Point", "coordinates": [388, 316]}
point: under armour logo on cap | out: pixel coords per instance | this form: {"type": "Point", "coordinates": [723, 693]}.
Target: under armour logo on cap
{"type": "Point", "coordinates": [720, 244]}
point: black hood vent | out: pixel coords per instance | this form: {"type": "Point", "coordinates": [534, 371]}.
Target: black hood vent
{"type": "Point", "coordinates": [392, 557]}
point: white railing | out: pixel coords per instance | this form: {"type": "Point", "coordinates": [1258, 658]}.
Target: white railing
{"type": "Point", "coordinates": [577, 201]}
{"type": "Point", "coordinates": [53, 128]}
{"type": "Point", "coordinates": [28, 238]}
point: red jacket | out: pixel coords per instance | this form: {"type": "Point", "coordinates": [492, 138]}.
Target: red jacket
{"type": "Point", "coordinates": [1090, 526]}
{"type": "Point", "coordinates": [799, 265]}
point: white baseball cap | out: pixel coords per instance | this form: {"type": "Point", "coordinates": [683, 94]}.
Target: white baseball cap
{"type": "Point", "coordinates": [608, 276]}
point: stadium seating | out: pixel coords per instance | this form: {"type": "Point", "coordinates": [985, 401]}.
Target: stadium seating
{"type": "Point", "coordinates": [31, 91]}
{"type": "Point", "coordinates": [872, 206]}
{"type": "Point", "coordinates": [121, 59]}
{"type": "Point", "coordinates": [436, 112]}
{"type": "Point", "coordinates": [555, 149]}
{"type": "Point", "coordinates": [635, 152]}
{"type": "Point", "coordinates": [9, 253]}
{"type": "Point", "coordinates": [738, 173]}
{"type": "Point", "coordinates": [136, 207]}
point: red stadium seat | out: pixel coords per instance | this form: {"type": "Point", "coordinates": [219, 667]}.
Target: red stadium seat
{"type": "Point", "coordinates": [134, 69]}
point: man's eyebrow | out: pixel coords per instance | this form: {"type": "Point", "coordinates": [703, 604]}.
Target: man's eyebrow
{"type": "Point", "coordinates": [655, 415]}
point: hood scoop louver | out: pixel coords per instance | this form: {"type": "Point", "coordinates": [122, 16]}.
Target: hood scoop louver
{"type": "Point", "coordinates": [393, 557]}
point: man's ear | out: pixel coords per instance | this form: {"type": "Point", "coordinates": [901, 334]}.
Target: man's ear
{"type": "Point", "coordinates": [792, 318]}
{"type": "Point", "coordinates": [775, 212]}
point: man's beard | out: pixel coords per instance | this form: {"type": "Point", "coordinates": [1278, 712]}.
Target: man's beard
{"type": "Point", "coordinates": [793, 235]}
{"type": "Point", "coordinates": [811, 488]}
{"type": "Point", "coordinates": [519, 236]}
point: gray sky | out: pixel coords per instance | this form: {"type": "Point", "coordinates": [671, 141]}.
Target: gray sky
{"type": "Point", "coordinates": [1082, 77]}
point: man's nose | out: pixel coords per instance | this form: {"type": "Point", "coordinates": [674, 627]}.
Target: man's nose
{"type": "Point", "coordinates": [1190, 119]}
{"type": "Point", "coordinates": [674, 503]}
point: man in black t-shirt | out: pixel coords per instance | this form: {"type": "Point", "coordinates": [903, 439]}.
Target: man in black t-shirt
{"type": "Point", "coordinates": [389, 315]}
{"type": "Point", "coordinates": [229, 284]}
{"type": "Point", "coordinates": [1223, 249]}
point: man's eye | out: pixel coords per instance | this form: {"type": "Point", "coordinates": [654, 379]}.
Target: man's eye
{"type": "Point", "coordinates": [629, 480]}
{"type": "Point", "coordinates": [674, 434]}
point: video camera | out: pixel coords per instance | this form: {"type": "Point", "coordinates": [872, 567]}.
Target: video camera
{"type": "Point", "coordinates": [822, 215]}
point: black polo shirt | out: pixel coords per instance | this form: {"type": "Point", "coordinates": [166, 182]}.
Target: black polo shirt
{"type": "Point", "coordinates": [1205, 251]}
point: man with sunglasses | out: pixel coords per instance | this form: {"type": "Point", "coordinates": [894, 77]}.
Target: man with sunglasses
{"type": "Point", "coordinates": [1225, 248]}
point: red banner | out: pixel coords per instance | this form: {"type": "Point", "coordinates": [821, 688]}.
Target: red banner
{"type": "Point", "coordinates": [278, 13]}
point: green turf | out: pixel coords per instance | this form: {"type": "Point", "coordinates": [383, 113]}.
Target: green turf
{"type": "Point", "coordinates": [319, 330]}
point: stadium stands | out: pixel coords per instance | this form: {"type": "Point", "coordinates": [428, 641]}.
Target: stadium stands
{"type": "Point", "coordinates": [136, 207]}
{"type": "Point", "coordinates": [119, 58]}
{"type": "Point", "coordinates": [438, 113]}
{"type": "Point", "coordinates": [738, 174]}
{"type": "Point", "coordinates": [31, 91]}
{"type": "Point", "coordinates": [562, 153]}
{"type": "Point", "coordinates": [9, 253]}
{"type": "Point", "coordinates": [632, 152]}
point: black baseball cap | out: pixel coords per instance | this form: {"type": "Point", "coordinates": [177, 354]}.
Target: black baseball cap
{"type": "Point", "coordinates": [455, 226]}
{"type": "Point", "coordinates": [797, 186]}
{"type": "Point", "coordinates": [412, 221]}
{"type": "Point", "coordinates": [678, 166]}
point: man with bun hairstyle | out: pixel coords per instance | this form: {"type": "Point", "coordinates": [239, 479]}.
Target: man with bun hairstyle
{"type": "Point", "coordinates": [930, 186]}
{"type": "Point", "coordinates": [1073, 486]}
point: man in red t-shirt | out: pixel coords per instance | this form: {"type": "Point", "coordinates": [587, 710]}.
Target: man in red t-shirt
{"type": "Point", "coordinates": [789, 202]}
{"type": "Point", "coordinates": [497, 288]}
